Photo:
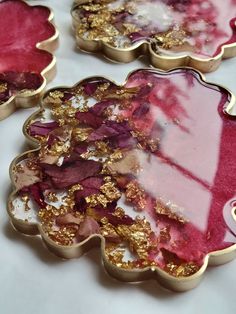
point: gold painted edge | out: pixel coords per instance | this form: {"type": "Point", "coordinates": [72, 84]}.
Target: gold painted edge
{"type": "Point", "coordinates": [152, 272]}
{"type": "Point", "coordinates": [125, 55]}
{"type": "Point", "coordinates": [30, 99]}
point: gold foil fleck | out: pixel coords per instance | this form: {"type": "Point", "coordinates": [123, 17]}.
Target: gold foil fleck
{"type": "Point", "coordinates": [110, 191]}
{"type": "Point", "coordinates": [3, 87]}
{"type": "Point", "coordinates": [63, 236]}
{"type": "Point", "coordinates": [97, 199]}
{"type": "Point", "coordinates": [169, 211]}
{"type": "Point", "coordinates": [170, 39]}
{"type": "Point", "coordinates": [76, 187]}
{"type": "Point", "coordinates": [81, 134]}
{"type": "Point", "coordinates": [182, 270]}
{"type": "Point", "coordinates": [54, 98]}
{"type": "Point", "coordinates": [51, 196]}
{"type": "Point", "coordinates": [136, 195]}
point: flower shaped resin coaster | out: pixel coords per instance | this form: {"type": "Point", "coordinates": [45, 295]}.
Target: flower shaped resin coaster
{"type": "Point", "coordinates": [172, 33]}
{"type": "Point", "coordinates": [26, 40]}
{"type": "Point", "coordinates": [146, 168]}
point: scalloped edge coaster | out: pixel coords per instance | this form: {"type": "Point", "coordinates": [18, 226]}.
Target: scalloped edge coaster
{"type": "Point", "coordinates": [31, 98]}
{"type": "Point", "coordinates": [143, 48]}
{"type": "Point", "coordinates": [76, 250]}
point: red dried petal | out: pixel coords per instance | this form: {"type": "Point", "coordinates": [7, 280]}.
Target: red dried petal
{"type": "Point", "coordinates": [71, 158]}
{"type": "Point", "coordinates": [41, 128]}
{"type": "Point", "coordinates": [80, 205]}
{"type": "Point", "coordinates": [62, 134]}
{"type": "Point", "coordinates": [99, 107]}
{"type": "Point", "coordinates": [68, 219]}
{"type": "Point", "coordinates": [111, 207]}
{"type": "Point", "coordinates": [92, 182]}
{"type": "Point", "coordinates": [36, 192]}
{"type": "Point", "coordinates": [90, 88]}
{"type": "Point", "coordinates": [89, 118]}
{"type": "Point", "coordinates": [71, 173]}
{"type": "Point", "coordinates": [101, 133]}
{"type": "Point", "coordinates": [45, 185]}
{"type": "Point", "coordinates": [109, 129]}
{"type": "Point", "coordinates": [81, 148]}
{"type": "Point", "coordinates": [75, 155]}
{"type": "Point", "coordinates": [90, 186]}
{"type": "Point", "coordinates": [123, 141]}
{"type": "Point", "coordinates": [88, 227]}
{"type": "Point", "coordinates": [120, 127]}
{"type": "Point", "coordinates": [67, 96]}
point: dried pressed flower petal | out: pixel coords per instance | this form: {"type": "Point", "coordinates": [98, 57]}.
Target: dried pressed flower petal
{"type": "Point", "coordinates": [88, 226]}
{"type": "Point", "coordinates": [90, 186]}
{"type": "Point", "coordinates": [71, 173]}
{"type": "Point", "coordinates": [42, 128]}
{"type": "Point", "coordinates": [26, 177]}
{"type": "Point", "coordinates": [89, 118]}
{"type": "Point", "coordinates": [68, 218]}
{"type": "Point", "coordinates": [109, 129]}
{"type": "Point", "coordinates": [90, 88]}
{"type": "Point", "coordinates": [100, 106]}
{"type": "Point", "coordinates": [36, 192]}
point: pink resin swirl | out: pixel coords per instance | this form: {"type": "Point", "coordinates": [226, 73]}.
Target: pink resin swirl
{"type": "Point", "coordinates": [21, 62]}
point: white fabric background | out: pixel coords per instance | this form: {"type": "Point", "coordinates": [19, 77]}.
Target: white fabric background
{"type": "Point", "coordinates": [33, 281]}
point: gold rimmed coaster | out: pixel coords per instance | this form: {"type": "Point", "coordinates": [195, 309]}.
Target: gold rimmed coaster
{"type": "Point", "coordinates": [138, 169]}
{"type": "Point", "coordinates": [170, 33]}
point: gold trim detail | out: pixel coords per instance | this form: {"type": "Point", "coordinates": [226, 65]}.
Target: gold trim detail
{"type": "Point", "coordinates": [125, 55]}
{"type": "Point", "coordinates": [77, 250]}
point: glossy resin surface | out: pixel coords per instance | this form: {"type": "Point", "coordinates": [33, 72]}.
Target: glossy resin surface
{"type": "Point", "coordinates": [173, 29]}
{"type": "Point", "coordinates": [149, 165]}
{"type": "Point", "coordinates": [23, 27]}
